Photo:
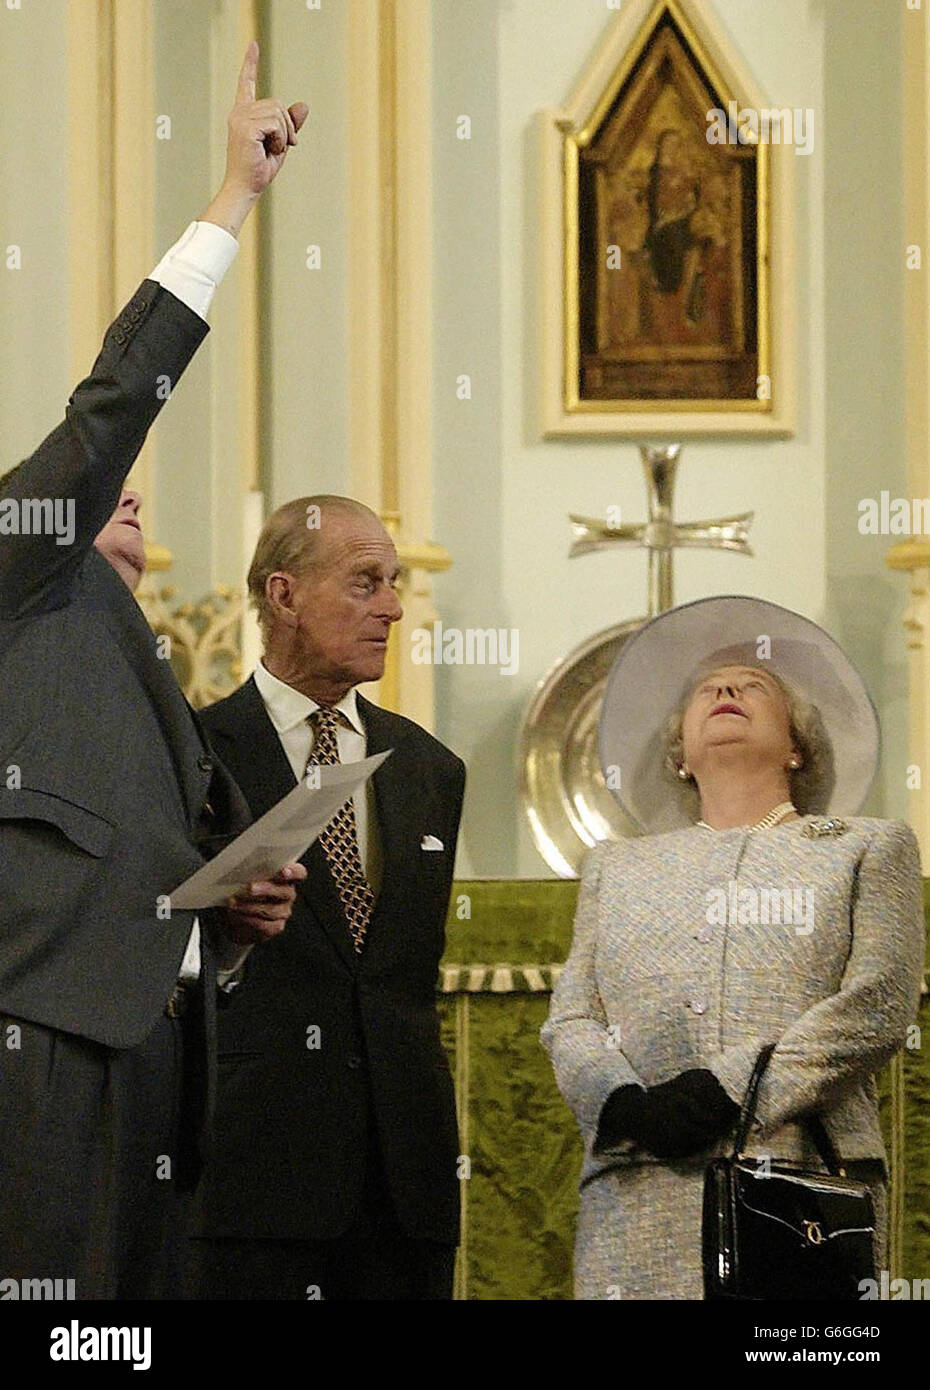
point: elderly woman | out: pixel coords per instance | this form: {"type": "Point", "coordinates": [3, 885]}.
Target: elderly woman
{"type": "Point", "coordinates": [754, 918]}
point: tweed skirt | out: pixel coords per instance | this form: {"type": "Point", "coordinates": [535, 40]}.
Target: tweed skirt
{"type": "Point", "coordinates": [639, 1232]}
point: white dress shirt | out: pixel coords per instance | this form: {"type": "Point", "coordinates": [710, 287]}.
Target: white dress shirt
{"type": "Point", "coordinates": [191, 270]}
{"type": "Point", "coordinates": [196, 264]}
{"type": "Point", "coordinates": [289, 712]}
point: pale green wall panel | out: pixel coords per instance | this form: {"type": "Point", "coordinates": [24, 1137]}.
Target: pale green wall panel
{"type": "Point", "coordinates": [305, 367]}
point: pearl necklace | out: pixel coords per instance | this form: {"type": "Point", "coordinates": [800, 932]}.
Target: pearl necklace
{"type": "Point", "coordinates": [774, 817]}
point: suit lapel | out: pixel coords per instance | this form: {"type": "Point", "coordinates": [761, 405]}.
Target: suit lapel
{"type": "Point", "coordinates": [227, 805]}
{"type": "Point", "coordinates": [260, 766]}
{"type": "Point", "coordinates": [265, 775]}
{"type": "Point", "coordinates": [127, 622]}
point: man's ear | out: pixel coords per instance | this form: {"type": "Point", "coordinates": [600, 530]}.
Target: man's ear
{"type": "Point", "coordinates": [279, 591]}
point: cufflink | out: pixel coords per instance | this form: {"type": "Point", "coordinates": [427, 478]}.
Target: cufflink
{"type": "Point", "coordinates": [430, 842]}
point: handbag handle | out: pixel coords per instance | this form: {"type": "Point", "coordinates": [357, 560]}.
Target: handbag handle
{"type": "Point", "coordinates": [822, 1142]}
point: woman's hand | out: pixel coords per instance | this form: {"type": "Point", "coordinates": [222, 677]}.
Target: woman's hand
{"type": "Point", "coordinates": [684, 1116]}
{"type": "Point", "coordinates": [676, 1119]}
{"type": "Point", "coordinates": [620, 1117]}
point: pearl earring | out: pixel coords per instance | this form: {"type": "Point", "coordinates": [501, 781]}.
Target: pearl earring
{"type": "Point", "coordinates": [794, 763]}
{"type": "Point", "coordinates": [683, 773]}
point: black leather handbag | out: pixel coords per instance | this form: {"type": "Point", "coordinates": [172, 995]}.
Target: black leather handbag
{"type": "Point", "coordinates": [773, 1230]}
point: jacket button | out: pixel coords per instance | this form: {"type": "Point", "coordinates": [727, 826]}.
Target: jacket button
{"type": "Point", "coordinates": [354, 1061]}
{"type": "Point", "coordinates": [703, 935]}
{"type": "Point", "coordinates": [697, 1005]}
{"type": "Point", "coordinates": [204, 763]}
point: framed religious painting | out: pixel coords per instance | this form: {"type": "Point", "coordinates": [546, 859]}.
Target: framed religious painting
{"type": "Point", "coordinates": [667, 235]}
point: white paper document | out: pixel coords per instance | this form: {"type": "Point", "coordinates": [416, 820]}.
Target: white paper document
{"type": "Point", "coordinates": [282, 835]}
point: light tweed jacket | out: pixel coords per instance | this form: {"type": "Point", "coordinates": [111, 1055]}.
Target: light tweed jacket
{"type": "Point", "coordinates": [668, 970]}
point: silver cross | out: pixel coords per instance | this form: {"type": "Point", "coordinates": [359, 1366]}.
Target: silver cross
{"type": "Point", "coordinates": [661, 535]}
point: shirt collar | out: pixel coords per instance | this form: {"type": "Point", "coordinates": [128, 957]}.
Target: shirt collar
{"type": "Point", "coordinates": [287, 707]}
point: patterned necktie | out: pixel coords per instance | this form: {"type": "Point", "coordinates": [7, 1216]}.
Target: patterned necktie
{"type": "Point", "coordinates": [339, 840]}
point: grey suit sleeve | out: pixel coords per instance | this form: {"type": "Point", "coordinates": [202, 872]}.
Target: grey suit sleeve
{"type": "Point", "coordinates": [84, 461]}
{"type": "Point", "coordinates": [586, 1055]}
{"type": "Point", "coordinates": [853, 1033]}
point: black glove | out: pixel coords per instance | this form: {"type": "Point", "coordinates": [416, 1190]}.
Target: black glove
{"type": "Point", "coordinates": [683, 1116]}
{"type": "Point", "coordinates": [619, 1117]}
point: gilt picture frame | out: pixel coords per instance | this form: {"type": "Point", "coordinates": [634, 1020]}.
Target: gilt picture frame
{"type": "Point", "coordinates": [667, 252]}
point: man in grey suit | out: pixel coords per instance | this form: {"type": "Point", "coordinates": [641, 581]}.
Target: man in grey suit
{"type": "Point", "coordinates": [109, 798]}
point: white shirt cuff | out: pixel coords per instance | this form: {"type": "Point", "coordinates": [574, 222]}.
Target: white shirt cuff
{"type": "Point", "coordinates": [196, 264]}
{"type": "Point", "coordinates": [230, 961]}
{"type": "Point", "coordinates": [228, 980]}
{"type": "Point", "coordinates": [190, 965]}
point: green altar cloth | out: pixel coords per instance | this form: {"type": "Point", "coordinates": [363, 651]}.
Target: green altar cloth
{"type": "Point", "coordinates": [521, 1151]}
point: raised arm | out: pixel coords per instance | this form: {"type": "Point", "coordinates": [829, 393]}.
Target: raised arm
{"type": "Point", "coordinates": [76, 475]}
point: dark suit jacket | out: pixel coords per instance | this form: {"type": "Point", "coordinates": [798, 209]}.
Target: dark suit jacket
{"type": "Point", "coordinates": [103, 773]}
{"type": "Point", "coordinates": [291, 1119]}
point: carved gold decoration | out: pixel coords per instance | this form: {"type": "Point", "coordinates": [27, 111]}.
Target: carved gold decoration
{"type": "Point", "coordinates": [418, 562]}
{"type": "Point", "coordinates": [205, 639]}
{"type": "Point", "coordinates": [157, 557]}
{"type": "Point", "coordinates": [909, 555]}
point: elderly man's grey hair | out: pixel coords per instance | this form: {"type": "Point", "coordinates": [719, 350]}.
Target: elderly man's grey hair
{"type": "Point", "coordinates": [293, 540]}
{"type": "Point", "coordinates": [810, 784]}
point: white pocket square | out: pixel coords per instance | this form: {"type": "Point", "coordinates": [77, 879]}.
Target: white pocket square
{"type": "Point", "coordinates": [430, 842]}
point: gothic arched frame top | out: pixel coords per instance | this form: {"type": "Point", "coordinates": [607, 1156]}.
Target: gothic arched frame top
{"type": "Point", "coordinates": [567, 136]}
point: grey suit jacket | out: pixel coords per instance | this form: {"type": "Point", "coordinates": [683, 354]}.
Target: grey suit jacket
{"type": "Point", "coordinates": [103, 773]}
{"type": "Point", "coordinates": [674, 966]}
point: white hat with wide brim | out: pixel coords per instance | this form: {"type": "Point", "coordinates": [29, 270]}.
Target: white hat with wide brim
{"type": "Point", "coordinates": [655, 672]}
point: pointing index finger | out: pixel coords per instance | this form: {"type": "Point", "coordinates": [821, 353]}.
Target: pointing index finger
{"type": "Point", "coordinates": [246, 89]}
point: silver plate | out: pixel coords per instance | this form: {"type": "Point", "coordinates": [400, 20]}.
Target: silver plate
{"type": "Point", "coordinates": [564, 794]}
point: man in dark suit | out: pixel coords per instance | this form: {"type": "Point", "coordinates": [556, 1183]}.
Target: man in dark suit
{"type": "Point", "coordinates": [335, 1169]}
{"type": "Point", "coordinates": [109, 797]}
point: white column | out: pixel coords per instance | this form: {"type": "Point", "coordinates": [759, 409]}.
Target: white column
{"type": "Point", "coordinates": [390, 311]}
{"type": "Point", "coordinates": [913, 556]}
